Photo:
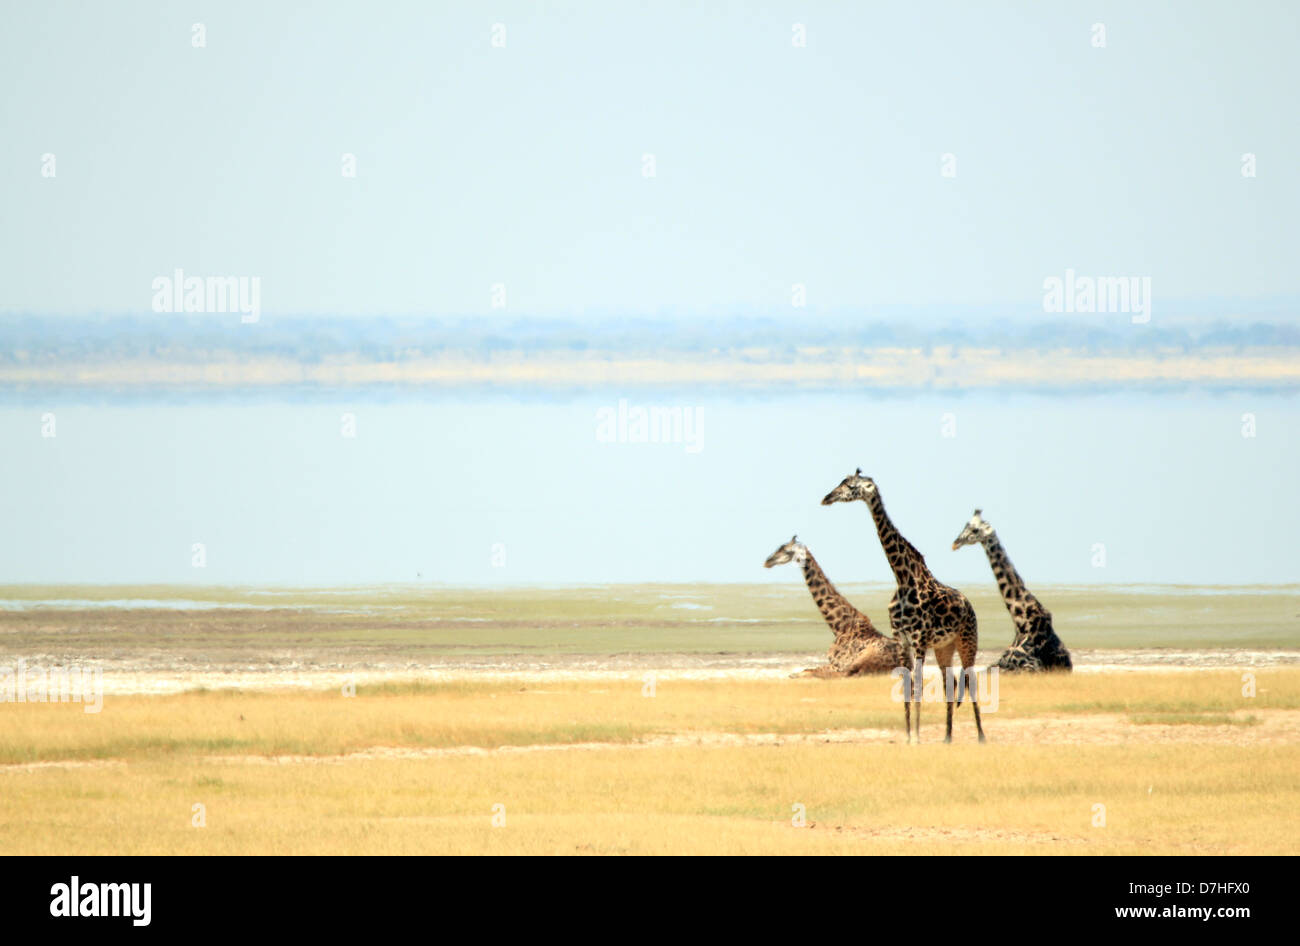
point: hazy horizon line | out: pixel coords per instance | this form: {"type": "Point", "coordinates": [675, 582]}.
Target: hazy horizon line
{"type": "Point", "coordinates": [412, 583]}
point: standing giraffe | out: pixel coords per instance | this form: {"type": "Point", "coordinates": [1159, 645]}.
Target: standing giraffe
{"type": "Point", "coordinates": [858, 648]}
{"type": "Point", "coordinates": [1036, 646]}
{"type": "Point", "coordinates": [923, 612]}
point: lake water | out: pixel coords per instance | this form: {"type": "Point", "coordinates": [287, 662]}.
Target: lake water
{"type": "Point", "coordinates": [508, 490]}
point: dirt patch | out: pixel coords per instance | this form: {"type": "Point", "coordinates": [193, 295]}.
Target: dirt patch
{"type": "Point", "coordinates": [62, 764]}
{"type": "Point", "coordinates": [1275, 727]}
{"type": "Point", "coordinates": [951, 835]}
{"type": "Point", "coordinates": [710, 740]}
{"type": "Point", "coordinates": [163, 673]}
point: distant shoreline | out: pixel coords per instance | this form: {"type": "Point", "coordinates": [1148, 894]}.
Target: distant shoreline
{"type": "Point", "coordinates": [112, 594]}
{"type": "Point", "coordinates": [808, 369]}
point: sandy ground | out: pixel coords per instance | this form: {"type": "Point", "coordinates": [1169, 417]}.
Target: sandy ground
{"type": "Point", "coordinates": [164, 673]}
{"type": "Point", "coordinates": [1272, 727]}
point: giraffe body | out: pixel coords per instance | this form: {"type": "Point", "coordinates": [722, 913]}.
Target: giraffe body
{"type": "Point", "coordinates": [924, 613]}
{"type": "Point", "coordinates": [1036, 645]}
{"type": "Point", "coordinates": [858, 647]}
{"type": "Point", "coordinates": [1015, 659]}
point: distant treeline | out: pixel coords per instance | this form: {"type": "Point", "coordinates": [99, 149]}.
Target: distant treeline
{"type": "Point", "coordinates": [199, 338]}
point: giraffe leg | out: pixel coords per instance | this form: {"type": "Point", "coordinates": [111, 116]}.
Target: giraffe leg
{"type": "Point", "coordinates": [918, 684]}
{"type": "Point", "coordinates": [908, 683]}
{"type": "Point", "coordinates": [943, 657]}
{"type": "Point", "coordinates": [909, 694]}
{"type": "Point", "coordinates": [825, 673]}
{"type": "Point", "coordinates": [967, 654]}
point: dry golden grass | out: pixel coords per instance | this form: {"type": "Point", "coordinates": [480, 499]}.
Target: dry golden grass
{"type": "Point", "coordinates": [1182, 762]}
{"type": "Point", "coordinates": [490, 714]}
{"type": "Point", "coordinates": [871, 799]}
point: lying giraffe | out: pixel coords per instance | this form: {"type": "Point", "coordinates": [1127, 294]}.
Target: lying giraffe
{"type": "Point", "coordinates": [923, 612]}
{"type": "Point", "coordinates": [1036, 646]}
{"type": "Point", "coordinates": [859, 648]}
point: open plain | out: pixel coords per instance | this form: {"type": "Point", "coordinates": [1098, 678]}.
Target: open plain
{"type": "Point", "coordinates": [648, 719]}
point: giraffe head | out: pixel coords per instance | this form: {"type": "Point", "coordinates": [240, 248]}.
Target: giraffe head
{"type": "Point", "coordinates": [792, 551]}
{"type": "Point", "coordinates": [852, 487]}
{"type": "Point", "coordinates": [975, 532]}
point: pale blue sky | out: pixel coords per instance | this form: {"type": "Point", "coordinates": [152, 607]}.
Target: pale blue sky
{"type": "Point", "coordinates": [522, 165]}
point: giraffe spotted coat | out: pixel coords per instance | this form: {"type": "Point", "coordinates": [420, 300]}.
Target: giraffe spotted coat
{"type": "Point", "coordinates": [858, 647]}
{"type": "Point", "coordinates": [924, 613]}
{"type": "Point", "coordinates": [1036, 646]}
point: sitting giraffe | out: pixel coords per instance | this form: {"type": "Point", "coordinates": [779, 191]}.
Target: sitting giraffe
{"type": "Point", "coordinates": [1036, 646]}
{"type": "Point", "coordinates": [859, 648]}
{"type": "Point", "coordinates": [1016, 658]}
{"type": "Point", "coordinates": [923, 612]}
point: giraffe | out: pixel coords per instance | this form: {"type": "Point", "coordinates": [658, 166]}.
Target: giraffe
{"type": "Point", "coordinates": [1016, 658]}
{"type": "Point", "coordinates": [923, 613]}
{"type": "Point", "coordinates": [858, 648]}
{"type": "Point", "coordinates": [1036, 646]}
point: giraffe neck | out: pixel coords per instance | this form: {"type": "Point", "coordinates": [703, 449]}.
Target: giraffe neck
{"type": "Point", "coordinates": [833, 605]}
{"type": "Point", "coordinates": [906, 562]}
{"type": "Point", "coordinates": [1010, 584]}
